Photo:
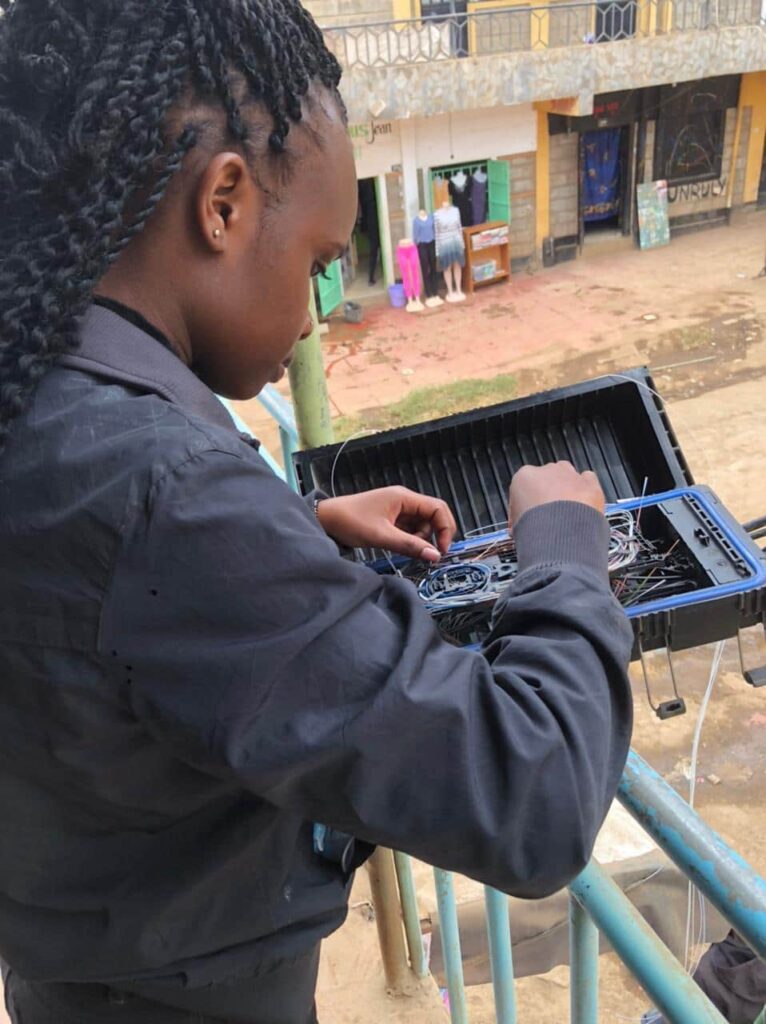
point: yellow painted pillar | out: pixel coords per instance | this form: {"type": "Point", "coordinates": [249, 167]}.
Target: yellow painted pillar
{"type": "Point", "coordinates": [541, 29]}
{"type": "Point", "coordinates": [542, 178]}
{"type": "Point", "coordinates": [403, 9]}
{"type": "Point", "coordinates": [647, 17]}
{"type": "Point", "coordinates": [753, 94]}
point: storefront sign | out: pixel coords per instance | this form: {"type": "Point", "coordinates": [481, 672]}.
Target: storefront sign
{"type": "Point", "coordinates": [697, 190]}
{"type": "Point", "coordinates": [376, 146]}
{"type": "Point", "coordinates": [610, 110]}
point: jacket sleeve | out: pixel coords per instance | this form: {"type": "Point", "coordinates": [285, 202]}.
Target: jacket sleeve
{"type": "Point", "coordinates": [260, 654]}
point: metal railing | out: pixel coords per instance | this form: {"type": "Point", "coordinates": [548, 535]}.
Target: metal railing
{"type": "Point", "coordinates": [521, 28]}
{"type": "Point", "coordinates": [281, 412]}
{"type": "Point", "coordinates": [597, 904]}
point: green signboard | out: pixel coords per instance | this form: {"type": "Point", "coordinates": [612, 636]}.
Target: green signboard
{"type": "Point", "coordinates": [653, 223]}
{"type": "Point", "coordinates": [499, 190]}
{"type": "Point", "coordinates": [330, 288]}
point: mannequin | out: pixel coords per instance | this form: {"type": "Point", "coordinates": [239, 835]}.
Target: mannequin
{"type": "Point", "coordinates": [424, 237]}
{"type": "Point", "coordinates": [450, 249]}
{"type": "Point", "coordinates": [409, 264]}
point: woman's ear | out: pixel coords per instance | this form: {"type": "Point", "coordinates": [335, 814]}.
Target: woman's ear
{"type": "Point", "coordinates": [228, 203]}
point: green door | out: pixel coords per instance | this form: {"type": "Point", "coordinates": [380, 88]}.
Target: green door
{"type": "Point", "coordinates": [330, 287]}
{"type": "Point", "coordinates": [499, 190]}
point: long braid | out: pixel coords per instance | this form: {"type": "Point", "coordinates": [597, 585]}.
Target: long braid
{"type": "Point", "coordinates": [86, 87]}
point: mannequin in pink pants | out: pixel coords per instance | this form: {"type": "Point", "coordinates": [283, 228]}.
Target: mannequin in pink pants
{"type": "Point", "coordinates": [409, 264]}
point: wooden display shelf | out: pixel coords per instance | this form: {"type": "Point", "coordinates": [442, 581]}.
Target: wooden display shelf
{"type": "Point", "coordinates": [478, 255]}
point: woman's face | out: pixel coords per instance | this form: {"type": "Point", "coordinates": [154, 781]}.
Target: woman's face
{"type": "Point", "coordinates": [252, 302]}
{"type": "Point", "coordinates": [224, 266]}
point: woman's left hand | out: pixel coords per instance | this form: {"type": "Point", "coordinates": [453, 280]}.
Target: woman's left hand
{"type": "Point", "coordinates": [393, 518]}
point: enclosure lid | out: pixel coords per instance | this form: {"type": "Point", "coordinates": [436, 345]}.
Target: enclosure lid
{"type": "Point", "coordinates": [615, 425]}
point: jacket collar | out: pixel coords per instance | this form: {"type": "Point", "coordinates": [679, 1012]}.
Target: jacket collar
{"type": "Point", "coordinates": [113, 348]}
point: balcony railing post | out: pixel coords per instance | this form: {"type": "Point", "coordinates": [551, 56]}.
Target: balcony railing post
{"type": "Point", "coordinates": [650, 961]}
{"type": "Point", "coordinates": [409, 900]}
{"type": "Point", "coordinates": [500, 955]}
{"type": "Point", "coordinates": [583, 966]}
{"type": "Point", "coordinates": [385, 901]}
{"type": "Point", "coordinates": [450, 934]}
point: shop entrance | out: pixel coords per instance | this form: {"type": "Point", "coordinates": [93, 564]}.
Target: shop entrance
{"type": "Point", "coordinates": [362, 262]}
{"type": "Point", "coordinates": [481, 191]}
{"type": "Point", "coordinates": [762, 182]}
{"type": "Point", "coordinates": [605, 174]}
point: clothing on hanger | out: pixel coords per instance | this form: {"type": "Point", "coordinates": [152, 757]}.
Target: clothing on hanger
{"type": "Point", "coordinates": [461, 197]}
{"type": "Point", "coordinates": [440, 190]}
{"type": "Point", "coordinates": [479, 197]}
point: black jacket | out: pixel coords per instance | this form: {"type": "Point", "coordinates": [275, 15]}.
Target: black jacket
{"type": "Point", "coordinates": [191, 675]}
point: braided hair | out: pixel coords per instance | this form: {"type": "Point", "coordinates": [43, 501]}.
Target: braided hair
{"type": "Point", "coordinates": [86, 90]}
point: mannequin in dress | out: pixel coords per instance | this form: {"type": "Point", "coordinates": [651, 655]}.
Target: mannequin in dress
{"type": "Point", "coordinates": [450, 249]}
{"type": "Point", "coordinates": [424, 237]}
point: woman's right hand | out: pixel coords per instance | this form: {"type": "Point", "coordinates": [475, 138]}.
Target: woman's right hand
{"type": "Point", "coordinates": [558, 481]}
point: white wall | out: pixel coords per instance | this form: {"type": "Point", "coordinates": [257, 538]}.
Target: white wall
{"type": "Point", "coordinates": [475, 134]}
{"type": "Point", "coordinates": [379, 146]}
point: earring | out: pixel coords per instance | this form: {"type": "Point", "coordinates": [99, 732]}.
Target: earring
{"type": "Point", "coordinates": [216, 232]}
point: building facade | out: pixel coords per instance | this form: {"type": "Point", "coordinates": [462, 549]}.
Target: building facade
{"type": "Point", "coordinates": [571, 105]}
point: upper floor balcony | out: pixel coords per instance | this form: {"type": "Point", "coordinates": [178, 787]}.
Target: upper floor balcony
{"type": "Point", "coordinates": [489, 52]}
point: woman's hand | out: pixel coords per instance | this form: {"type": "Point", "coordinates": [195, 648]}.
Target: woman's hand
{"type": "Point", "coordinates": [393, 518]}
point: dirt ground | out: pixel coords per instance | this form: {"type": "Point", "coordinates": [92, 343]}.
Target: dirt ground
{"type": "Point", "coordinates": [696, 314]}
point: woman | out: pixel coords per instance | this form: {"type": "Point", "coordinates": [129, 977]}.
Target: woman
{"type": "Point", "coordinates": [191, 675]}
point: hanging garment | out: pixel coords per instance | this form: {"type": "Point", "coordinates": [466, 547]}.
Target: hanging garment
{"type": "Point", "coordinates": [440, 190]}
{"type": "Point", "coordinates": [479, 197]}
{"type": "Point", "coordinates": [601, 174]}
{"type": "Point", "coordinates": [409, 264]}
{"type": "Point", "coordinates": [461, 197]}
{"type": "Point", "coordinates": [429, 268]}
{"type": "Point", "coordinates": [450, 246]}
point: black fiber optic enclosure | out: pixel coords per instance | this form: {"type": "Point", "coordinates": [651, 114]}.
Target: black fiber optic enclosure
{"type": "Point", "coordinates": [616, 426]}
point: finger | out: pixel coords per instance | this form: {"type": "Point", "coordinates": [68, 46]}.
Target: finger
{"type": "Point", "coordinates": [433, 513]}
{"type": "Point", "coordinates": [411, 545]}
{"type": "Point", "coordinates": [444, 526]}
{"type": "Point", "coordinates": [416, 526]}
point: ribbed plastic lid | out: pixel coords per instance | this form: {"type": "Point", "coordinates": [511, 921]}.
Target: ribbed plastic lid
{"type": "Point", "coordinates": [615, 425]}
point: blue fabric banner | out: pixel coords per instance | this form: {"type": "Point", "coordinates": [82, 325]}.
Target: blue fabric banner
{"type": "Point", "coordinates": [601, 174]}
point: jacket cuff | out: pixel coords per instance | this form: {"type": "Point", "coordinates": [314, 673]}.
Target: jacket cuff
{"type": "Point", "coordinates": [562, 532]}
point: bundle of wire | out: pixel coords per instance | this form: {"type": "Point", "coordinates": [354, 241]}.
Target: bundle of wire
{"type": "Point", "coordinates": [460, 591]}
